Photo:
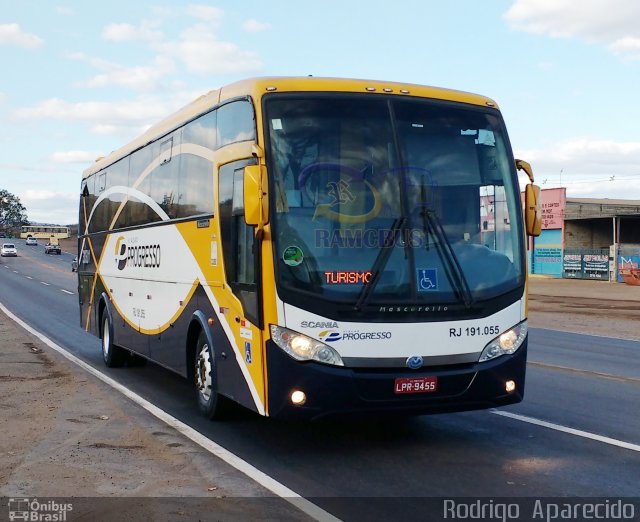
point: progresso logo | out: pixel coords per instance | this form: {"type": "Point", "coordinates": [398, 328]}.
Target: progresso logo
{"type": "Point", "coordinates": [136, 255]}
{"type": "Point", "coordinates": [121, 253]}
{"type": "Point", "coordinates": [329, 336]}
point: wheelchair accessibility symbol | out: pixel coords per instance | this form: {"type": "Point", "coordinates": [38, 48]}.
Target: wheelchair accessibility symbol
{"type": "Point", "coordinates": [427, 279]}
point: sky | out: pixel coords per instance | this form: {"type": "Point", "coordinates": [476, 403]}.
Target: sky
{"type": "Point", "coordinates": [82, 78]}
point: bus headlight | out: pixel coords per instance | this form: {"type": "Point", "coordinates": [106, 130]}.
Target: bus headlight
{"type": "Point", "coordinates": [506, 343]}
{"type": "Point", "coordinates": [304, 348]}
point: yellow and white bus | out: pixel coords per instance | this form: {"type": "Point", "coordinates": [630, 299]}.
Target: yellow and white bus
{"type": "Point", "coordinates": [309, 246]}
{"type": "Point", "coordinates": [44, 231]}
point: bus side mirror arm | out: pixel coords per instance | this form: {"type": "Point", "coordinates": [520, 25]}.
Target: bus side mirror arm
{"type": "Point", "coordinates": [526, 167]}
{"type": "Point", "coordinates": [532, 206]}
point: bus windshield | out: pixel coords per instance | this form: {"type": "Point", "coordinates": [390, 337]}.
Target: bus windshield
{"type": "Point", "coordinates": [383, 200]}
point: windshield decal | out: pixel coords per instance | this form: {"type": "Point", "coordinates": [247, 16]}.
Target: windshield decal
{"type": "Point", "coordinates": [293, 256]}
{"type": "Point", "coordinates": [427, 279]}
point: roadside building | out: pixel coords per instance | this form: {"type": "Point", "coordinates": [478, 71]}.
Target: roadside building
{"type": "Point", "coordinates": [545, 251]}
{"type": "Point", "coordinates": [586, 238]}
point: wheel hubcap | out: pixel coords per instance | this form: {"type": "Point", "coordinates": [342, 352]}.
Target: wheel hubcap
{"type": "Point", "coordinates": [203, 372]}
{"type": "Point", "coordinates": [105, 339]}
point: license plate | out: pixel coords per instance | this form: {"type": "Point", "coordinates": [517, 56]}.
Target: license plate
{"type": "Point", "coordinates": [416, 384]}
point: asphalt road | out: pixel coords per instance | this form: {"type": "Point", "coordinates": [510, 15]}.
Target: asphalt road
{"type": "Point", "coordinates": [586, 387]}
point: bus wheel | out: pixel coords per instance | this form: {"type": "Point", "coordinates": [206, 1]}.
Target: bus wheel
{"type": "Point", "coordinates": [210, 403]}
{"type": "Point", "coordinates": [112, 355]}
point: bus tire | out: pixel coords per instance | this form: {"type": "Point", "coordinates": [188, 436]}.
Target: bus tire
{"type": "Point", "coordinates": [112, 355]}
{"type": "Point", "coordinates": [210, 403]}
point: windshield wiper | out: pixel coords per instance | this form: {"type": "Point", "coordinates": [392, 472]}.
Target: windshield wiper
{"type": "Point", "coordinates": [432, 223]}
{"type": "Point", "coordinates": [380, 263]}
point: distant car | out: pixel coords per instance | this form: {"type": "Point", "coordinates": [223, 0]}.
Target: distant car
{"type": "Point", "coordinates": [74, 264]}
{"type": "Point", "coordinates": [50, 248]}
{"type": "Point", "coordinates": [31, 241]}
{"type": "Point", "coordinates": [8, 249]}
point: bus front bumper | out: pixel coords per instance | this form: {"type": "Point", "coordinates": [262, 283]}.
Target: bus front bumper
{"type": "Point", "coordinates": [336, 390]}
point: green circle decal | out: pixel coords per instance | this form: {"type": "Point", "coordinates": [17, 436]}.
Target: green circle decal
{"type": "Point", "coordinates": [292, 256]}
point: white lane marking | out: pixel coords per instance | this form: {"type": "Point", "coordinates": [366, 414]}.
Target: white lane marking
{"type": "Point", "coordinates": [571, 431]}
{"type": "Point", "coordinates": [241, 465]}
{"type": "Point", "coordinates": [584, 371]}
{"type": "Point", "coordinates": [16, 272]}
{"type": "Point", "coordinates": [588, 334]}
{"type": "Point", "coordinates": [45, 284]}
{"type": "Point", "coordinates": [66, 291]}
{"type": "Point", "coordinates": [29, 277]}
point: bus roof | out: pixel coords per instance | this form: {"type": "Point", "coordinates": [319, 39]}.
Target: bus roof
{"type": "Point", "coordinates": [256, 87]}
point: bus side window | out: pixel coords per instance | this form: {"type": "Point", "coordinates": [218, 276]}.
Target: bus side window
{"type": "Point", "coordinates": [102, 181]}
{"type": "Point", "coordinates": [195, 191]}
{"type": "Point", "coordinates": [245, 270]}
{"type": "Point", "coordinates": [87, 202]}
{"type": "Point", "coordinates": [238, 240]}
{"type": "Point", "coordinates": [236, 122]}
{"type": "Point", "coordinates": [164, 179]}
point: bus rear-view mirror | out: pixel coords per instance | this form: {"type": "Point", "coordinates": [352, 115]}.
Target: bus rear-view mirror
{"type": "Point", "coordinates": [256, 200]}
{"type": "Point", "coordinates": [532, 210]}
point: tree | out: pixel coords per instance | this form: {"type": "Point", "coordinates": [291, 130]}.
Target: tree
{"type": "Point", "coordinates": [13, 214]}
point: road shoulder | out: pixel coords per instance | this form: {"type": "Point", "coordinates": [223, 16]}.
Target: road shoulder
{"type": "Point", "coordinates": [585, 307]}
{"type": "Point", "coordinates": [67, 434]}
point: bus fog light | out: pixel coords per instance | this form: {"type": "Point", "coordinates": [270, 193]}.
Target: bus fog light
{"type": "Point", "coordinates": [298, 397]}
{"type": "Point", "coordinates": [510, 386]}
{"type": "Point", "coordinates": [506, 343]}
